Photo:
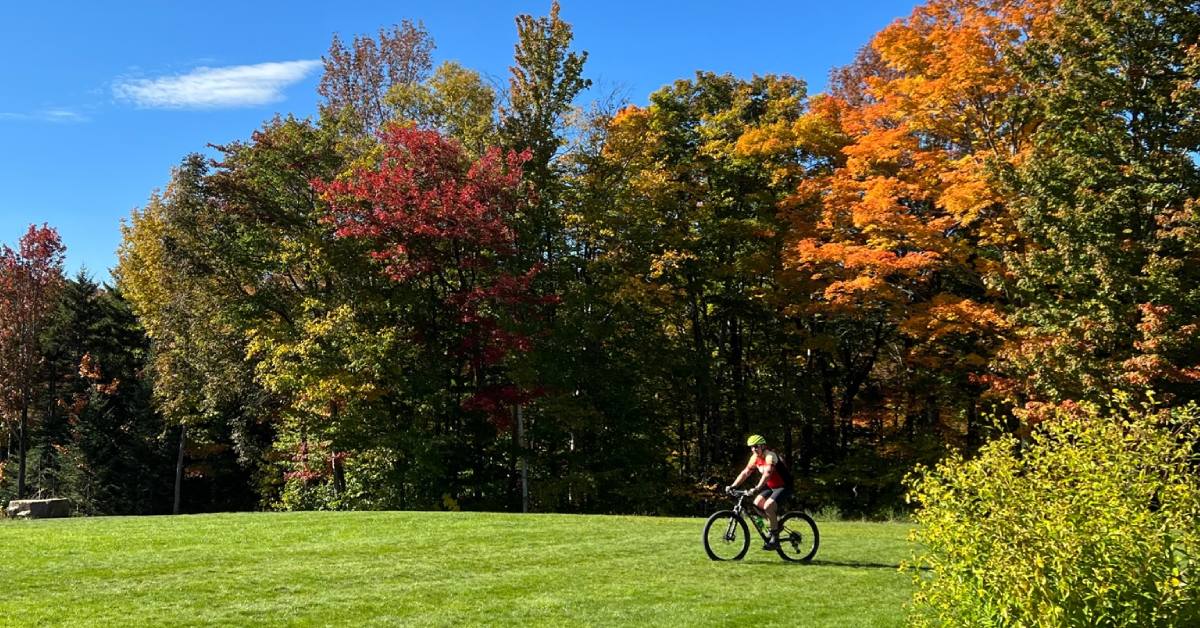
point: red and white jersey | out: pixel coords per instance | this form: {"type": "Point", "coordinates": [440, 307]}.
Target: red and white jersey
{"type": "Point", "coordinates": [768, 460]}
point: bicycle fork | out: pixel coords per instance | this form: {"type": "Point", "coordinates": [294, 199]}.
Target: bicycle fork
{"type": "Point", "coordinates": [731, 532]}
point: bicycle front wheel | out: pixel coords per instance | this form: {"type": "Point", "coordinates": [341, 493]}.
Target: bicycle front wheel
{"type": "Point", "coordinates": [798, 537]}
{"type": "Point", "coordinates": [726, 536]}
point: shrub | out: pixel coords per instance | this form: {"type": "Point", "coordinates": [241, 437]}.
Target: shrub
{"type": "Point", "coordinates": [1090, 521]}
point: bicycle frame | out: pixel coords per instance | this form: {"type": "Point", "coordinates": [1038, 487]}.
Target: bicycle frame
{"type": "Point", "coordinates": [740, 508]}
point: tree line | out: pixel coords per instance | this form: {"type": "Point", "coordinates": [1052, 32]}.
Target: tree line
{"type": "Point", "coordinates": [433, 284]}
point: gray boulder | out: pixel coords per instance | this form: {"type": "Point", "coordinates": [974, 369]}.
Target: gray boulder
{"type": "Point", "coordinates": [38, 508]}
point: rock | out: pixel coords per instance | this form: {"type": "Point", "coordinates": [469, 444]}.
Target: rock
{"type": "Point", "coordinates": [38, 508]}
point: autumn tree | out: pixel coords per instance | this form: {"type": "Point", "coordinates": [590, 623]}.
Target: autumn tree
{"type": "Point", "coordinates": [690, 228]}
{"type": "Point", "coordinates": [440, 225]}
{"type": "Point", "coordinates": [319, 336]}
{"type": "Point", "coordinates": [30, 278]}
{"type": "Point", "coordinates": [202, 384]}
{"type": "Point", "coordinates": [1106, 205]}
{"type": "Point", "coordinates": [897, 250]}
{"type": "Point", "coordinates": [454, 101]}
{"type": "Point", "coordinates": [357, 79]}
{"type": "Point", "coordinates": [546, 76]}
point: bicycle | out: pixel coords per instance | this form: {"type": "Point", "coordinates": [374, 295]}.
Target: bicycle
{"type": "Point", "coordinates": [798, 534]}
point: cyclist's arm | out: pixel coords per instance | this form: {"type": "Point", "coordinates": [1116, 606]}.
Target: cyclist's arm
{"type": "Point", "coordinates": [762, 479]}
{"type": "Point", "coordinates": [743, 475]}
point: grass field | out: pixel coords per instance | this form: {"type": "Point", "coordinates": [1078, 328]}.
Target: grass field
{"type": "Point", "coordinates": [440, 569]}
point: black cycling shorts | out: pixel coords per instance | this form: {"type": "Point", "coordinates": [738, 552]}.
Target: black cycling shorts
{"type": "Point", "coordinates": [777, 494]}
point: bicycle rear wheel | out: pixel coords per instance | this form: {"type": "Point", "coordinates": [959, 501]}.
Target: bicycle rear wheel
{"type": "Point", "coordinates": [726, 536]}
{"type": "Point", "coordinates": [798, 537]}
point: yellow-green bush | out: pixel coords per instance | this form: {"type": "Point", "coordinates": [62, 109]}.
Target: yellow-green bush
{"type": "Point", "coordinates": [1091, 521]}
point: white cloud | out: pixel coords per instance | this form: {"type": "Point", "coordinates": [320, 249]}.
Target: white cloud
{"type": "Point", "coordinates": [63, 115]}
{"type": "Point", "coordinates": [211, 88]}
{"type": "Point", "coordinates": [46, 115]}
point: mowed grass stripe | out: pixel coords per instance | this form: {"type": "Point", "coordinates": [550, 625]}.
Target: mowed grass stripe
{"type": "Point", "coordinates": [437, 569]}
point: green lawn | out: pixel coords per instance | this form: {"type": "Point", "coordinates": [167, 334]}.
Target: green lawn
{"type": "Point", "coordinates": [443, 569]}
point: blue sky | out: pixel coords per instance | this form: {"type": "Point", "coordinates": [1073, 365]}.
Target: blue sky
{"type": "Point", "coordinates": [97, 104]}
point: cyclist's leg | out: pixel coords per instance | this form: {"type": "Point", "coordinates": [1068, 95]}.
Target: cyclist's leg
{"type": "Point", "coordinates": [774, 504]}
{"type": "Point", "coordinates": [768, 506]}
{"type": "Point", "coordinates": [772, 515]}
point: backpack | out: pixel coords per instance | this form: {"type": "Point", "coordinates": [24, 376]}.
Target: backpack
{"type": "Point", "coordinates": [781, 467]}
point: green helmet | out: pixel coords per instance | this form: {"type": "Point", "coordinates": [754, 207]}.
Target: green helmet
{"type": "Point", "coordinates": [756, 439]}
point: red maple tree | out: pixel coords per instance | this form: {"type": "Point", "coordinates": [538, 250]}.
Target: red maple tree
{"type": "Point", "coordinates": [441, 223]}
{"type": "Point", "coordinates": [30, 278]}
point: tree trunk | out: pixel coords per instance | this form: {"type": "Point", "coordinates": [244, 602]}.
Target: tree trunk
{"type": "Point", "coordinates": [972, 424]}
{"type": "Point", "coordinates": [856, 376]}
{"type": "Point", "coordinates": [807, 444]}
{"type": "Point", "coordinates": [824, 426]}
{"type": "Point", "coordinates": [788, 445]}
{"type": "Point", "coordinates": [685, 466]}
{"type": "Point", "coordinates": [703, 413]}
{"type": "Point", "coordinates": [524, 462]}
{"type": "Point", "coordinates": [179, 468]}
{"type": "Point", "coordinates": [51, 430]}
{"type": "Point", "coordinates": [22, 444]}
{"type": "Point", "coordinates": [829, 429]}
{"type": "Point", "coordinates": [339, 473]}
{"type": "Point", "coordinates": [335, 464]}
{"type": "Point", "coordinates": [737, 357]}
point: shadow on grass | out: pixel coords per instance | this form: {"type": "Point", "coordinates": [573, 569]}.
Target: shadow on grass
{"type": "Point", "coordinates": [840, 563]}
{"type": "Point", "coordinates": [855, 564]}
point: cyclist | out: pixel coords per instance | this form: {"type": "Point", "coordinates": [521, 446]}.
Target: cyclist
{"type": "Point", "coordinates": [775, 475]}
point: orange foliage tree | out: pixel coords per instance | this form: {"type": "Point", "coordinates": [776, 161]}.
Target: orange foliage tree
{"type": "Point", "coordinates": [895, 253]}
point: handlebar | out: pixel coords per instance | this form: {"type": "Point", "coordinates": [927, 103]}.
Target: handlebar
{"type": "Point", "coordinates": [737, 493]}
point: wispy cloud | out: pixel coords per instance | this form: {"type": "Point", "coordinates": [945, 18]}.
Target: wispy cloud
{"type": "Point", "coordinates": [45, 115]}
{"type": "Point", "coordinates": [212, 88]}
{"type": "Point", "coordinates": [63, 115]}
